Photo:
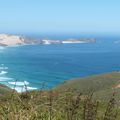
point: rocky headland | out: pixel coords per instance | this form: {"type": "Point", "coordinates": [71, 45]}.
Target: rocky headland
{"type": "Point", "coordinates": [12, 40]}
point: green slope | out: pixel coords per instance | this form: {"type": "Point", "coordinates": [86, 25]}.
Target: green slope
{"type": "Point", "coordinates": [5, 93]}
{"type": "Point", "coordinates": [101, 85]}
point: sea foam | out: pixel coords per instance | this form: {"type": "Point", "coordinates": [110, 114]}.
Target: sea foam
{"type": "Point", "coordinates": [3, 72]}
{"type": "Point", "coordinates": [23, 88]}
{"type": "Point", "coordinates": [5, 78]}
{"type": "Point", "coordinates": [19, 83]}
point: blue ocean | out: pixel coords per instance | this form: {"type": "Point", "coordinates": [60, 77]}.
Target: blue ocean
{"type": "Point", "coordinates": [50, 65]}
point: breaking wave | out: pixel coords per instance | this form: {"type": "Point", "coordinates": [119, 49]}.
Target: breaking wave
{"type": "Point", "coordinates": [23, 88]}
{"type": "Point", "coordinates": [19, 83]}
{"type": "Point", "coordinates": [19, 86]}
{"type": "Point", "coordinates": [3, 72]}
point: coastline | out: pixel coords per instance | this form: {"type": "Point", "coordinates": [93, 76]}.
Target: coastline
{"type": "Point", "coordinates": [21, 87]}
{"type": "Point", "coordinates": [11, 40]}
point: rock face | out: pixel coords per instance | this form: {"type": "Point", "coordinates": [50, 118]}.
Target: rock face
{"type": "Point", "coordinates": [11, 40]}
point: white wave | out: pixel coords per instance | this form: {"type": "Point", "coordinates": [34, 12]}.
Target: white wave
{"type": "Point", "coordinates": [5, 78]}
{"type": "Point", "coordinates": [19, 83]}
{"type": "Point", "coordinates": [23, 88]}
{"type": "Point", "coordinates": [19, 89]}
{"type": "Point", "coordinates": [73, 42]}
{"type": "Point", "coordinates": [31, 88]}
{"type": "Point", "coordinates": [3, 72]}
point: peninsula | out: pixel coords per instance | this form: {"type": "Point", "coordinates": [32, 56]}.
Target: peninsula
{"type": "Point", "coordinates": [12, 40]}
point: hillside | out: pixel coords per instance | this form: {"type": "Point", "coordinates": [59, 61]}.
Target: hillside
{"type": "Point", "coordinates": [102, 85]}
{"type": "Point", "coordinates": [5, 92]}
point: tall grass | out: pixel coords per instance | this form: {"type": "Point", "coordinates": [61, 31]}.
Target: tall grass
{"type": "Point", "coordinates": [52, 105]}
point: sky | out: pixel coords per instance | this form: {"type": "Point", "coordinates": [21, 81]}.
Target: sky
{"type": "Point", "coordinates": [60, 16]}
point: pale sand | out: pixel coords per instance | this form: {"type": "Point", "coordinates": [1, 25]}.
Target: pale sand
{"type": "Point", "coordinates": [10, 40]}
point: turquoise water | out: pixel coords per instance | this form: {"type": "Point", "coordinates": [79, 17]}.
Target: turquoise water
{"type": "Point", "coordinates": [53, 64]}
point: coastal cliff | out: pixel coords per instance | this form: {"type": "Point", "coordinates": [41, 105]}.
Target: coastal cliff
{"type": "Point", "coordinates": [12, 40]}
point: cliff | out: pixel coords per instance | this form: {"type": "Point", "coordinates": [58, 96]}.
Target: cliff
{"type": "Point", "coordinates": [10, 40]}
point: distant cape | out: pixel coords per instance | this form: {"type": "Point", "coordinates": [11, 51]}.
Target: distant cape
{"type": "Point", "coordinates": [12, 40]}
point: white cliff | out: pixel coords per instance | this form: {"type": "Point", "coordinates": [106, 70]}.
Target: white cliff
{"type": "Point", "coordinates": [11, 40]}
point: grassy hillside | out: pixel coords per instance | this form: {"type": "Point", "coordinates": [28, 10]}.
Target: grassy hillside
{"type": "Point", "coordinates": [102, 85]}
{"type": "Point", "coordinates": [4, 90]}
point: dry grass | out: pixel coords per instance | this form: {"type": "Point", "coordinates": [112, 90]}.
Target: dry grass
{"type": "Point", "coordinates": [51, 105]}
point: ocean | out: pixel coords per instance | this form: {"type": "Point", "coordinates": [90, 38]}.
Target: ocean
{"type": "Point", "coordinates": [47, 66]}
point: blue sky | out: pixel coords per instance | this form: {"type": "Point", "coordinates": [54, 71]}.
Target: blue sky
{"type": "Point", "coordinates": [60, 16]}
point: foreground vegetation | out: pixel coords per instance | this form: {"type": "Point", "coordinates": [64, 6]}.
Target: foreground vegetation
{"type": "Point", "coordinates": [70, 101]}
{"type": "Point", "coordinates": [51, 105]}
